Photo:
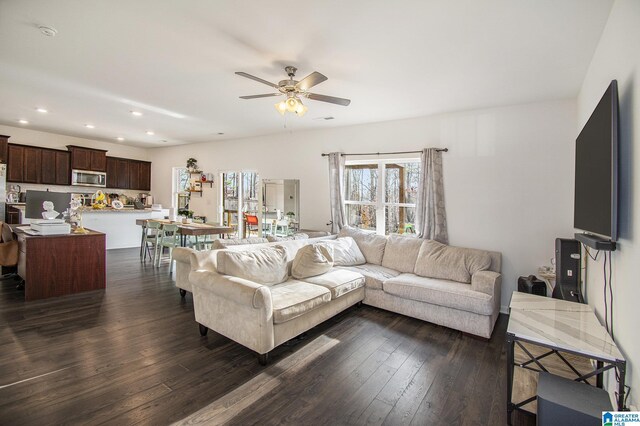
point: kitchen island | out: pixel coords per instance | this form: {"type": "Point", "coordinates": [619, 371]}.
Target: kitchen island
{"type": "Point", "coordinates": [57, 265]}
{"type": "Point", "coordinates": [120, 225]}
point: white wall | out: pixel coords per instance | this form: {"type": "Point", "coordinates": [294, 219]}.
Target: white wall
{"type": "Point", "coordinates": [617, 57]}
{"type": "Point", "coordinates": [26, 136]}
{"type": "Point", "coordinates": [508, 173]}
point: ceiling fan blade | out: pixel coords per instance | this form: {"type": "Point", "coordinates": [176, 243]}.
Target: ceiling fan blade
{"type": "Point", "coordinates": [253, 77]}
{"type": "Point", "coordinates": [268, 95]}
{"type": "Point", "coordinates": [310, 81]}
{"type": "Point", "coordinates": [330, 99]}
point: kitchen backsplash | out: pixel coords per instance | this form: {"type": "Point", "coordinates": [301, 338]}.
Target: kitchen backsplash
{"type": "Point", "coordinates": [76, 189]}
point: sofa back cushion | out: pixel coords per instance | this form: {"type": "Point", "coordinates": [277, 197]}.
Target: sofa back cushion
{"type": "Point", "coordinates": [227, 242]}
{"type": "Point", "coordinates": [370, 244]}
{"type": "Point", "coordinates": [266, 266]}
{"type": "Point", "coordinates": [437, 260]}
{"type": "Point", "coordinates": [345, 251]}
{"type": "Point", "coordinates": [401, 253]}
{"type": "Point", "coordinates": [298, 236]}
{"type": "Point", "coordinates": [312, 260]}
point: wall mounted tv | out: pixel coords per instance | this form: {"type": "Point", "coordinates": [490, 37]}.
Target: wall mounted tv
{"type": "Point", "coordinates": [596, 178]}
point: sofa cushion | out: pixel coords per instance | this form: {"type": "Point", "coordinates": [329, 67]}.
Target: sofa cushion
{"type": "Point", "coordinates": [227, 242]}
{"type": "Point", "coordinates": [345, 251]}
{"type": "Point", "coordinates": [293, 298]}
{"type": "Point", "coordinates": [440, 292]}
{"type": "Point", "coordinates": [401, 253]}
{"type": "Point", "coordinates": [266, 266]}
{"type": "Point", "coordinates": [298, 236]}
{"type": "Point", "coordinates": [370, 244]}
{"type": "Point", "coordinates": [374, 275]}
{"type": "Point", "coordinates": [312, 260]}
{"type": "Point", "coordinates": [338, 281]}
{"type": "Point", "coordinates": [437, 260]}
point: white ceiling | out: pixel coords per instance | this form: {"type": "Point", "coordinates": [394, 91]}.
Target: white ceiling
{"type": "Point", "coordinates": [174, 60]}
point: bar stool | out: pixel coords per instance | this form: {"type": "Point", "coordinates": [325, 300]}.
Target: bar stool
{"type": "Point", "coordinates": [170, 239]}
{"type": "Point", "coordinates": [151, 236]}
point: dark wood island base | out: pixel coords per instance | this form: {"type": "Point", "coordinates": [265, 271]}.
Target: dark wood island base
{"type": "Point", "coordinates": [56, 265]}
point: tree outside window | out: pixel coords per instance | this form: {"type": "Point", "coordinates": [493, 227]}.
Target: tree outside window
{"type": "Point", "coordinates": [381, 196]}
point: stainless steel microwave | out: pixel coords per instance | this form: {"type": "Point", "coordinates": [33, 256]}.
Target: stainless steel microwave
{"type": "Point", "coordinates": [88, 178]}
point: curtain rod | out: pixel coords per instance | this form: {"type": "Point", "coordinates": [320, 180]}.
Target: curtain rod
{"type": "Point", "coordinates": [388, 153]}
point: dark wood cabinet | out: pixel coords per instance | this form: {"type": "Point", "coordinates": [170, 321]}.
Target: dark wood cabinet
{"type": "Point", "coordinates": [63, 169]}
{"type": "Point", "coordinates": [134, 175]}
{"type": "Point", "coordinates": [145, 176]}
{"type": "Point", "coordinates": [4, 145]}
{"type": "Point", "coordinates": [98, 161]}
{"type": "Point", "coordinates": [15, 163]}
{"type": "Point", "coordinates": [112, 173]}
{"type": "Point", "coordinates": [88, 159]}
{"type": "Point", "coordinates": [122, 168]}
{"type": "Point", "coordinates": [48, 170]}
{"type": "Point", "coordinates": [32, 164]}
{"type": "Point", "coordinates": [12, 215]}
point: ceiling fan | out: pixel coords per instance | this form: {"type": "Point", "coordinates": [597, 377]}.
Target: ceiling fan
{"type": "Point", "coordinates": [294, 90]}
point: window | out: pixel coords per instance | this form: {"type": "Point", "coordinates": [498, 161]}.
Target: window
{"type": "Point", "coordinates": [381, 196]}
{"type": "Point", "coordinates": [180, 199]}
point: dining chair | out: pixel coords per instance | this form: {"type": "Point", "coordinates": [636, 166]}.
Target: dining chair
{"type": "Point", "coordinates": [151, 237]}
{"type": "Point", "coordinates": [169, 238]}
{"type": "Point", "coordinates": [251, 224]}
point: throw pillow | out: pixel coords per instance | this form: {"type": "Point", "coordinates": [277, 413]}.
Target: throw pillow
{"type": "Point", "coordinates": [345, 251]}
{"type": "Point", "coordinates": [311, 260]}
{"type": "Point", "coordinates": [266, 266]}
{"type": "Point", "coordinates": [369, 243]}
{"type": "Point", "coordinates": [437, 260]}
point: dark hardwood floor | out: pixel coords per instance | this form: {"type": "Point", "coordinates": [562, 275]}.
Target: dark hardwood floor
{"type": "Point", "coordinates": [132, 354]}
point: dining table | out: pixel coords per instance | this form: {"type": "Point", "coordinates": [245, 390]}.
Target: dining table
{"type": "Point", "coordinates": [190, 229]}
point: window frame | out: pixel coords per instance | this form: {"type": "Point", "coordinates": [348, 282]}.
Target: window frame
{"type": "Point", "coordinates": [381, 203]}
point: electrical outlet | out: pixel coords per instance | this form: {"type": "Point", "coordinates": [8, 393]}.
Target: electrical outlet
{"type": "Point", "coordinates": [569, 273]}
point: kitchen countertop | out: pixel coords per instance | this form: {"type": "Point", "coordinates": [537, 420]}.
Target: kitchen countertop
{"type": "Point", "coordinates": [112, 210]}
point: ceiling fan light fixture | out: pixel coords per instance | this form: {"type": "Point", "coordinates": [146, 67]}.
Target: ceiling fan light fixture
{"type": "Point", "coordinates": [292, 104]}
{"type": "Point", "coordinates": [301, 109]}
{"type": "Point", "coordinates": [281, 107]}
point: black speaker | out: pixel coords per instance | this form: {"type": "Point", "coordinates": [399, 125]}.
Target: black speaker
{"type": "Point", "coordinates": [532, 285]}
{"type": "Point", "coordinates": [568, 263]}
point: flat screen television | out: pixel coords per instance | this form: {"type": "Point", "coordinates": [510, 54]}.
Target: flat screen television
{"type": "Point", "coordinates": [596, 170]}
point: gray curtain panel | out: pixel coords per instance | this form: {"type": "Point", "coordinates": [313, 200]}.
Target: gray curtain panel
{"type": "Point", "coordinates": [336, 191]}
{"type": "Point", "coordinates": [431, 217]}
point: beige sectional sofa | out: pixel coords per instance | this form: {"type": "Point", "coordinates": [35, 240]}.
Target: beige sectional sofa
{"type": "Point", "coordinates": [248, 294]}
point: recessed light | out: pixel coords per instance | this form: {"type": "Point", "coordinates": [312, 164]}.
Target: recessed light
{"type": "Point", "coordinates": [150, 132]}
{"type": "Point", "coordinates": [220, 133]}
{"type": "Point", "coordinates": [42, 110]}
{"type": "Point", "coordinates": [23, 122]}
{"type": "Point", "coordinates": [120, 138]}
{"type": "Point", "coordinates": [136, 113]}
{"type": "Point", "coordinates": [89, 126]}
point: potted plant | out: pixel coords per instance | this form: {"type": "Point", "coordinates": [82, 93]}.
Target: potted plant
{"type": "Point", "coordinates": [192, 165]}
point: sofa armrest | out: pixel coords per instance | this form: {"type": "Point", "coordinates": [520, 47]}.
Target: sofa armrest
{"type": "Point", "coordinates": [238, 290]}
{"type": "Point", "coordinates": [487, 282]}
{"type": "Point", "coordinates": [182, 254]}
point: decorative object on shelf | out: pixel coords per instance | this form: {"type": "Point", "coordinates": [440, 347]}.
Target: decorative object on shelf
{"type": "Point", "coordinates": [98, 200]}
{"type": "Point", "coordinates": [293, 90]}
{"type": "Point", "coordinates": [117, 204]}
{"type": "Point", "coordinates": [75, 216]}
{"type": "Point", "coordinates": [192, 165]}
{"type": "Point", "coordinates": [49, 212]}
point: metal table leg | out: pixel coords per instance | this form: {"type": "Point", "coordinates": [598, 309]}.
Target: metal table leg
{"type": "Point", "coordinates": [621, 367]}
{"type": "Point", "coordinates": [510, 367]}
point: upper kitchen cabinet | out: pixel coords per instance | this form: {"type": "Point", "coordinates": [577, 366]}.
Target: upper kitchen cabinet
{"type": "Point", "coordinates": [134, 175]}
{"type": "Point", "coordinates": [88, 159]}
{"type": "Point", "coordinates": [55, 167]}
{"type": "Point", "coordinates": [145, 176]}
{"type": "Point", "coordinates": [4, 146]}
{"type": "Point", "coordinates": [15, 163]}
